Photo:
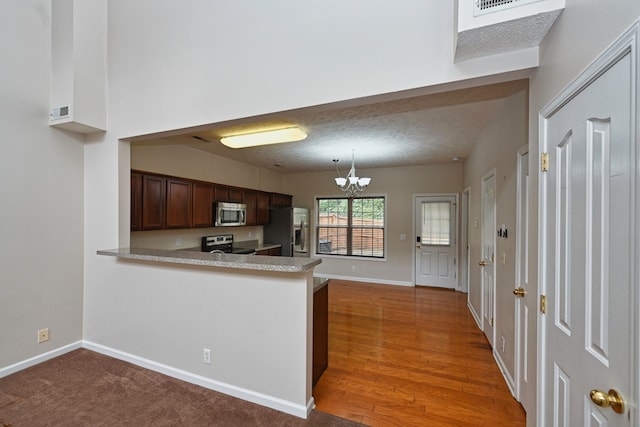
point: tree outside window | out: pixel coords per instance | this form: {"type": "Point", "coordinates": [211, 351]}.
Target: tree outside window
{"type": "Point", "coordinates": [351, 226]}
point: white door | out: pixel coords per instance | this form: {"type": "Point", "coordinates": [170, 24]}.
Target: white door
{"type": "Point", "coordinates": [589, 227]}
{"type": "Point", "coordinates": [487, 254]}
{"type": "Point", "coordinates": [436, 245]}
{"type": "Point", "coordinates": [525, 304]}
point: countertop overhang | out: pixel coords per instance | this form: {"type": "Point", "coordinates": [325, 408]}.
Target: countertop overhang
{"type": "Point", "coordinates": [245, 262]}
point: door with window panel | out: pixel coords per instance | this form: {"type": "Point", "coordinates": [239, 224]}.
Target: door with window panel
{"type": "Point", "coordinates": [436, 244]}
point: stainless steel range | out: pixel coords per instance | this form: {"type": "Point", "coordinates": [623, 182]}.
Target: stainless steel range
{"type": "Point", "coordinates": [223, 243]}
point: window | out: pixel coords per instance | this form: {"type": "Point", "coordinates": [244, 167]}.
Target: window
{"type": "Point", "coordinates": [350, 226]}
{"type": "Point", "coordinates": [436, 223]}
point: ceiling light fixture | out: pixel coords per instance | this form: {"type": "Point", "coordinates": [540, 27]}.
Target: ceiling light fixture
{"type": "Point", "coordinates": [351, 185]}
{"type": "Point", "coordinates": [275, 136]}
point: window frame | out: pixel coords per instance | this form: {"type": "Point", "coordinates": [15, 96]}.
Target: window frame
{"type": "Point", "coordinates": [318, 226]}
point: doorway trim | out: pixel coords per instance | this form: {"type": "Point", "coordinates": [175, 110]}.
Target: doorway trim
{"type": "Point", "coordinates": [465, 266]}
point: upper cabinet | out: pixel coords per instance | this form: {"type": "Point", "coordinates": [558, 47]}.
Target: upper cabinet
{"type": "Point", "coordinates": [163, 202]}
{"type": "Point", "coordinates": [136, 201]}
{"type": "Point", "coordinates": [179, 203]}
{"type": "Point", "coordinates": [153, 202]}
{"type": "Point", "coordinates": [262, 208]}
{"type": "Point", "coordinates": [277, 200]}
{"type": "Point", "coordinates": [249, 198]}
{"type": "Point", "coordinates": [202, 204]}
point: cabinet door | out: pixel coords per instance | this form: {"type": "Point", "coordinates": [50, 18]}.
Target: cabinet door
{"type": "Point", "coordinates": [202, 204]}
{"type": "Point", "coordinates": [136, 201]}
{"type": "Point", "coordinates": [249, 198]}
{"type": "Point", "coordinates": [179, 194]}
{"type": "Point", "coordinates": [262, 209]}
{"type": "Point", "coordinates": [278, 200]}
{"type": "Point", "coordinates": [275, 251]}
{"type": "Point", "coordinates": [220, 193]}
{"type": "Point", "coordinates": [235, 195]}
{"type": "Point", "coordinates": [153, 202]}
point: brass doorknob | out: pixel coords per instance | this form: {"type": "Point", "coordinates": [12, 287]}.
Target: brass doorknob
{"type": "Point", "coordinates": [519, 292]}
{"type": "Point", "coordinates": [482, 263]}
{"type": "Point", "coordinates": [612, 399]}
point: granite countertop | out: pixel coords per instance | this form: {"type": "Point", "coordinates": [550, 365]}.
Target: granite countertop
{"type": "Point", "coordinates": [245, 262]}
{"type": "Point", "coordinates": [319, 283]}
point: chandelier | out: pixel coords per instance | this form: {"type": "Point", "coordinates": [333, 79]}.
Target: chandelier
{"type": "Point", "coordinates": [351, 185]}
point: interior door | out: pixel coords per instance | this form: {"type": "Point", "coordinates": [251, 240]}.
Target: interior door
{"type": "Point", "coordinates": [487, 254]}
{"type": "Point", "coordinates": [436, 245]}
{"type": "Point", "coordinates": [589, 248]}
{"type": "Point", "coordinates": [525, 300]}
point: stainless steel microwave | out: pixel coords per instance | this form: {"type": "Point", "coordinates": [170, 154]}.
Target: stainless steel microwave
{"type": "Point", "coordinates": [229, 214]}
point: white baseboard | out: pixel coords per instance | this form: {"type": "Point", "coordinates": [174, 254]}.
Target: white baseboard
{"type": "Point", "coordinates": [365, 279]}
{"type": "Point", "coordinates": [16, 367]}
{"type": "Point", "coordinates": [505, 373]}
{"type": "Point", "coordinates": [474, 315]}
{"type": "Point", "coordinates": [272, 402]}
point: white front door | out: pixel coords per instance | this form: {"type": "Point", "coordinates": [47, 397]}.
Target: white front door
{"type": "Point", "coordinates": [525, 304]}
{"type": "Point", "coordinates": [436, 245]}
{"type": "Point", "coordinates": [487, 254]}
{"type": "Point", "coordinates": [589, 243]}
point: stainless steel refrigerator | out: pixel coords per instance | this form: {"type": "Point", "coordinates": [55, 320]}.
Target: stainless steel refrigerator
{"type": "Point", "coordinates": [290, 228]}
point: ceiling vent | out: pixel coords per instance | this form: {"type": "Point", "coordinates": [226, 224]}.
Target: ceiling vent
{"type": "Point", "coordinates": [487, 6]}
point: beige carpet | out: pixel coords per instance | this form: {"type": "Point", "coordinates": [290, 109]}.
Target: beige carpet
{"type": "Point", "coordinates": [84, 388]}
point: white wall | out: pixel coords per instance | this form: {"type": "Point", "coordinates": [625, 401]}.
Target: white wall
{"type": "Point", "coordinates": [173, 65]}
{"type": "Point", "coordinates": [580, 34]}
{"type": "Point", "coordinates": [41, 197]}
{"type": "Point", "coordinates": [197, 62]}
{"type": "Point", "coordinates": [496, 148]}
{"type": "Point", "coordinates": [399, 185]}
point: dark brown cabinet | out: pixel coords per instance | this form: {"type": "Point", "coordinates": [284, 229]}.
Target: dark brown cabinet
{"type": "Point", "coordinates": [320, 332]}
{"type": "Point", "coordinates": [235, 195]}
{"type": "Point", "coordinates": [153, 202]}
{"type": "Point", "coordinates": [249, 198]}
{"type": "Point", "coordinates": [262, 208]}
{"type": "Point", "coordinates": [220, 193]}
{"type": "Point", "coordinates": [270, 252]}
{"type": "Point", "coordinates": [179, 195]}
{"type": "Point", "coordinates": [277, 200]}
{"type": "Point", "coordinates": [136, 201]}
{"type": "Point", "coordinates": [202, 204]}
{"type": "Point", "coordinates": [160, 202]}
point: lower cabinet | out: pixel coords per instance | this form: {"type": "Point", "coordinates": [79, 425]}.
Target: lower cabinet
{"type": "Point", "coordinates": [320, 332]}
{"type": "Point", "coordinates": [271, 252]}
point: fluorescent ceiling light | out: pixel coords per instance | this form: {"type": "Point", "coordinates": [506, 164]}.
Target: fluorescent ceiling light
{"type": "Point", "coordinates": [276, 136]}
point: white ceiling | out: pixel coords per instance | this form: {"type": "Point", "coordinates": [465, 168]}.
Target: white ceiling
{"type": "Point", "coordinates": [418, 130]}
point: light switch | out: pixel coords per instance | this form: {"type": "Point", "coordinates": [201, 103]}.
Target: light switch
{"type": "Point", "coordinates": [403, 237]}
{"type": "Point", "coordinates": [504, 258]}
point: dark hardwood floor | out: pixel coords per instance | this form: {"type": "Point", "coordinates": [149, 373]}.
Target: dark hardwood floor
{"type": "Point", "coordinates": [404, 356]}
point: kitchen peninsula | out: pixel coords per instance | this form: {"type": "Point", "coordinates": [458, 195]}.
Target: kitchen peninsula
{"type": "Point", "coordinates": [238, 324]}
{"type": "Point", "coordinates": [245, 262]}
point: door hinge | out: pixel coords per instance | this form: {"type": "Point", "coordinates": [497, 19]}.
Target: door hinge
{"type": "Point", "coordinates": [543, 304]}
{"type": "Point", "coordinates": [491, 323]}
{"type": "Point", "coordinates": [544, 162]}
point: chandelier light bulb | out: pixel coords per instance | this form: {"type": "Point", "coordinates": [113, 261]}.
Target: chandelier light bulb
{"type": "Point", "coordinates": [352, 185]}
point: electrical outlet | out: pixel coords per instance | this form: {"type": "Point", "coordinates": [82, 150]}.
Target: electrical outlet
{"type": "Point", "coordinates": [353, 268]}
{"type": "Point", "coordinates": [178, 241]}
{"type": "Point", "coordinates": [43, 335]}
{"type": "Point", "coordinates": [206, 356]}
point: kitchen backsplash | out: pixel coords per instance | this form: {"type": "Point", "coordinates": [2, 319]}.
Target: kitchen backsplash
{"type": "Point", "coordinates": [191, 237]}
